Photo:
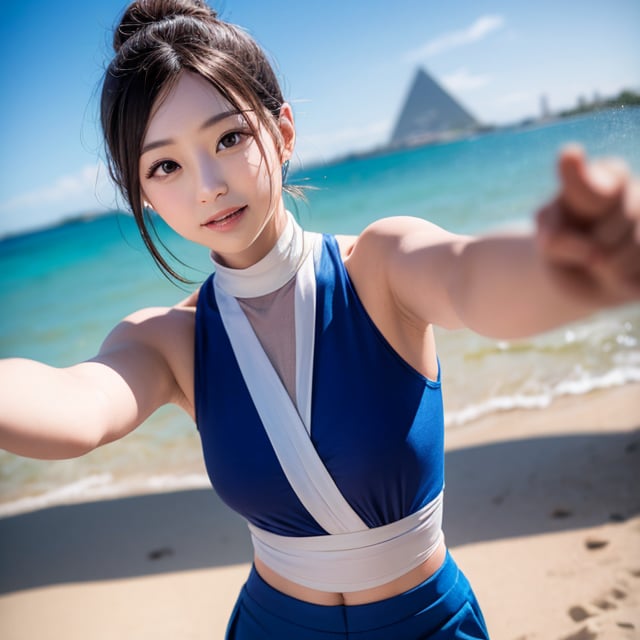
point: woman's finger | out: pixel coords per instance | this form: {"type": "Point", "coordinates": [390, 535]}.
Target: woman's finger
{"type": "Point", "coordinates": [590, 190]}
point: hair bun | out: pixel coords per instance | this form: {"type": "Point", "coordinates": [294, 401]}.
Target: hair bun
{"type": "Point", "coordinates": [141, 13]}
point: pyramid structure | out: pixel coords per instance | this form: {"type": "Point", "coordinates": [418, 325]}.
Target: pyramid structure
{"type": "Point", "coordinates": [429, 113]}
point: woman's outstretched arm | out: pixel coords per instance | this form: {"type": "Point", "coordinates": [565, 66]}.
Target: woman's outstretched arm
{"type": "Point", "coordinates": [509, 286]}
{"type": "Point", "coordinates": [50, 413]}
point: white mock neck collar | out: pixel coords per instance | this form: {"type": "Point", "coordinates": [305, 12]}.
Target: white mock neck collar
{"type": "Point", "coordinates": [272, 272]}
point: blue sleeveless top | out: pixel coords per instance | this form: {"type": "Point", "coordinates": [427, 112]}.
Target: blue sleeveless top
{"type": "Point", "coordinates": [376, 422]}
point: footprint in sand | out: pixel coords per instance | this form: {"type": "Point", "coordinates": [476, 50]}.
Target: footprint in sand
{"type": "Point", "coordinates": [605, 602]}
{"type": "Point", "coordinates": [578, 613]}
{"type": "Point", "coordinates": [617, 517]}
{"type": "Point", "coordinates": [626, 625]}
{"type": "Point", "coordinates": [560, 513]}
{"type": "Point", "coordinates": [583, 633]}
{"type": "Point", "coordinates": [593, 543]}
{"type": "Point", "coordinates": [618, 592]}
{"type": "Point", "coordinates": [158, 554]}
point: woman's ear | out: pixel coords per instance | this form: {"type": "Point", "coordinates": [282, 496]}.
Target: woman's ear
{"type": "Point", "coordinates": [287, 131]}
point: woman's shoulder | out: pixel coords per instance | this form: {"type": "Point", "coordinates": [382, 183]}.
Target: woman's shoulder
{"type": "Point", "coordinates": [375, 243]}
{"type": "Point", "coordinates": [168, 331]}
{"type": "Point", "coordinates": [386, 243]}
{"type": "Point", "coordinates": [149, 321]}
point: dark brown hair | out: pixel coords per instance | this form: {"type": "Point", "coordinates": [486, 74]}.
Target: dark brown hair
{"type": "Point", "coordinates": [154, 43]}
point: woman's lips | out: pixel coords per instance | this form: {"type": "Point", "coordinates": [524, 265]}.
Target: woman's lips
{"type": "Point", "coordinates": [224, 217]}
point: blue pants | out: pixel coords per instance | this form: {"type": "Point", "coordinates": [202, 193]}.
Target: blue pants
{"type": "Point", "coordinates": [442, 608]}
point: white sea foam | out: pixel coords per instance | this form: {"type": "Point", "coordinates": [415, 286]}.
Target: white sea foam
{"type": "Point", "coordinates": [578, 386]}
{"type": "Point", "coordinates": [102, 487]}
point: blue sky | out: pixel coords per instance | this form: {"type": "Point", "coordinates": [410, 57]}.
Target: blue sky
{"type": "Point", "coordinates": [345, 65]}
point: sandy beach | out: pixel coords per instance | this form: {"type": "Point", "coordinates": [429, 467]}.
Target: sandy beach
{"type": "Point", "coordinates": [542, 512]}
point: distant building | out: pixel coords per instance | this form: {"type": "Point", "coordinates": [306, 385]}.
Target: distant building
{"type": "Point", "coordinates": [545, 111]}
{"type": "Point", "coordinates": [430, 113]}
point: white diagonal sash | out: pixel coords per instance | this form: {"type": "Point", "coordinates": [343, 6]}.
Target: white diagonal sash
{"type": "Point", "coordinates": [287, 431]}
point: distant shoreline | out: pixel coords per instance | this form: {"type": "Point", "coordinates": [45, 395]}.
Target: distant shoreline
{"type": "Point", "coordinates": [484, 129]}
{"type": "Point", "coordinates": [66, 221]}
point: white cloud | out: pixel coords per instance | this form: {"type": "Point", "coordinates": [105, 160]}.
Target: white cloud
{"type": "Point", "coordinates": [337, 142]}
{"type": "Point", "coordinates": [88, 190]}
{"type": "Point", "coordinates": [516, 97]}
{"type": "Point", "coordinates": [475, 32]}
{"type": "Point", "coordinates": [461, 80]}
{"type": "Point", "coordinates": [88, 187]}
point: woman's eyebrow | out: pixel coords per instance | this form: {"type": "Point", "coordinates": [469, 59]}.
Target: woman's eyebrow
{"type": "Point", "coordinates": [223, 115]}
{"type": "Point", "coordinates": [218, 117]}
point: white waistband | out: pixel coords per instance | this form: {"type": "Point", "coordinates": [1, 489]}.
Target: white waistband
{"type": "Point", "coordinates": [353, 561]}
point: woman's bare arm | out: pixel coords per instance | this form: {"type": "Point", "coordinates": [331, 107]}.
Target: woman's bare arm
{"type": "Point", "coordinates": [506, 286]}
{"type": "Point", "coordinates": [48, 412]}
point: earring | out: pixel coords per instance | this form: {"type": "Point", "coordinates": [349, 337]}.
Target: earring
{"type": "Point", "coordinates": [285, 170]}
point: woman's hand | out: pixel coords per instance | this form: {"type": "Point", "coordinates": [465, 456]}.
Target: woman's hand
{"type": "Point", "coordinates": [591, 231]}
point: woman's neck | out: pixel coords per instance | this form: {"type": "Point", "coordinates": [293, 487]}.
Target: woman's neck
{"type": "Point", "coordinates": [271, 272]}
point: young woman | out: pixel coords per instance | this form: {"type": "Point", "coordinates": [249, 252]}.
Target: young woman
{"type": "Point", "coordinates": [308, 362]}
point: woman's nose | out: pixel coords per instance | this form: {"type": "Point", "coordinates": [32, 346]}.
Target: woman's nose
{"type": "Point", "coordinates": [211, 179]}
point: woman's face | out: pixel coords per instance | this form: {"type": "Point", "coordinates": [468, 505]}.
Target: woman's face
{"type": "Point", "coordinates": [202, 170]}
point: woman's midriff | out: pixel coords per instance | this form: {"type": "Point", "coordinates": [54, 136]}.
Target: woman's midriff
{"type": "Point", "coordinates": [408, 581]}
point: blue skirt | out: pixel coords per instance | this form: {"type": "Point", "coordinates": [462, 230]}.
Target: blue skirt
{"type": "Point", "coordinates": [443, 607]}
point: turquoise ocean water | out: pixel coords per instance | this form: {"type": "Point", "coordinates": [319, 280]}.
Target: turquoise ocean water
{"type": "Point", "coordinates": [63, 288]}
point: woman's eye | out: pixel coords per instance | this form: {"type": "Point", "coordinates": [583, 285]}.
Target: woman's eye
{"type": "Point", "coordinates": [167, 166]}
{"type": "Point", "coordinates": [230, 140]}
{"type": "Point", "coordinates": [163, 168]}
